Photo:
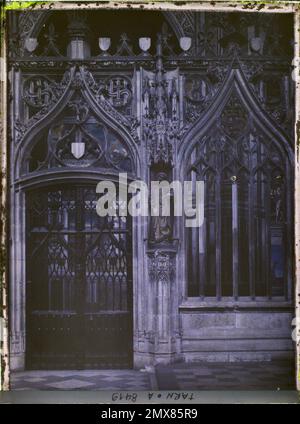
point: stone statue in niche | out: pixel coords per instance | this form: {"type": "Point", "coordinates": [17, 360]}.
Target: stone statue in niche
{"type": "Point", "coordinates": [277, 213]}
{"type": "Point", "coordinates": [161, 227]}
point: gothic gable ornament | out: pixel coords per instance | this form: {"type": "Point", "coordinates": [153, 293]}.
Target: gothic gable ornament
{"type": "Point", "coordinates": [233, 118]}
{"type": "Point", "coordinates": [79, 140]}
{"type": "Point", "coordinates": [114, 90]}
{"type": "Point", "coordinates": [160, 97]}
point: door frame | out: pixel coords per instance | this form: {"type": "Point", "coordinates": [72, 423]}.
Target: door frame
{"type": "Point", "coordinates": [17, 257]}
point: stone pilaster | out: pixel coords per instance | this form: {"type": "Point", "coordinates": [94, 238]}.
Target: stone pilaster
{"type": "Point", "coordinates": [165, 337]}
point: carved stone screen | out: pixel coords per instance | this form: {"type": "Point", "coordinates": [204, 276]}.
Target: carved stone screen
{"type": "Point", "coordinates": [158, 95]}
{"type": "Point", "coordinates": [244, 246]}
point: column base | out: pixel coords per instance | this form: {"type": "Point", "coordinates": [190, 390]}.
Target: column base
{"type": "Point", "coordinates": [17, 362]}
{"type": "Point", "coordinates": [142, 359]}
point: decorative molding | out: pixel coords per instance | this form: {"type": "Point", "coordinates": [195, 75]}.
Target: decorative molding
{"type": "Point", "coordinates": [201, 89]}
{"type": "Point", "coordinates": [161, 266]}
{"type": "Point", "coordinates": [160, 106]}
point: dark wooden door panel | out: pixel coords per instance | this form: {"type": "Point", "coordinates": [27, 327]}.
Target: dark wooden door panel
{"type": "Point", "coordinates": [79, 288]}
{"type": "Point", "coordinates": [52, 341]}
{"type": "Point", "coordinates": [106, 340]}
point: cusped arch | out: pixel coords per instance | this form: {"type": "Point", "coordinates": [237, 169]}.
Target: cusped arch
{"type": "Point", "coordinates": [246, 164]}
{"type": "Point", "coordinates": [105, 115]}
{"type": "Point", "coordinates": [235, 82]}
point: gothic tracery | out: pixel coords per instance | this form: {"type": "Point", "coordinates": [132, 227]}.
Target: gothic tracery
{"type": "Point", "coordinates": [198, 96]}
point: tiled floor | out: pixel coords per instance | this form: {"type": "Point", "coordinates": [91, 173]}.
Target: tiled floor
{"type": "Point", "coordinates": [81, 380]}
{"type": "Point", "coordinates": [201, 376]}
{"type": "Point", "coordinates": [216, 376]}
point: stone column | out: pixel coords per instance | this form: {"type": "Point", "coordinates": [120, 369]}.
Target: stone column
{"type": "Point", "coordinates": [17, 254]}
{"type": "Point", "coordinates": [17, 283]}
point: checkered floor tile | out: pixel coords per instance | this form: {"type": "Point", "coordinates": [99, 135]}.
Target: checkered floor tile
{"type": "Point", "coordinates": [181, 376]}
{"type": "Point", "coordinates": [231, 376]}
{"type": "Point", "coordinates": [80, 380]}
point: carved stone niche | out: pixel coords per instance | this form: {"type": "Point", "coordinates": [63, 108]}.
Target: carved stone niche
{"type": "Point", "coordinates": [161, 227]}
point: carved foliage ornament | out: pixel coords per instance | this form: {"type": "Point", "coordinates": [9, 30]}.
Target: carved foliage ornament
{"type": "Point", "coordinates": [234, 118]}
{"type": "Point", "coordinates": [119, 94]}
{"type": "Point", "coordinates": [201, 89]}
{"type": "Point", "coordinates": [40, 91]}
{"type": "Point", "coordinates": [161, 115]}
{"type": "Point", "coordinates": [118, 91]}
{"type": "Point", "coordinates": [273, 89]}
{"type": "Point", "coordinates": [161, 267]}
{"type": "Point", "coordinates": [41, 94]}
{"type": "Point", "coordinates": [78, 139]}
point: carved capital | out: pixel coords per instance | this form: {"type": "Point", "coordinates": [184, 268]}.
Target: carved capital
{"type": "Point", "coordinates": [162, 264]}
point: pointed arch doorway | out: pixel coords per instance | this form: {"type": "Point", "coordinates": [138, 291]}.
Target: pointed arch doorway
{"type": "Point", "coordinates": [79, 283]}
{"type": "Point", "coordinates": [76, 266]}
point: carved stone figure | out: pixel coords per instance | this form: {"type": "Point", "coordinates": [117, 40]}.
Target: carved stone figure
{"type": "Point", "coordinates": [161, 226]}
